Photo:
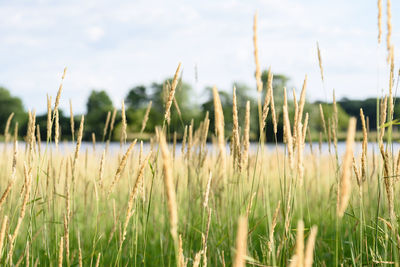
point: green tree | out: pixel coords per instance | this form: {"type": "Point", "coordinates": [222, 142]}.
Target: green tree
{"type": "Point", "coordinates": [137, 97]}
{"type": "Point", "coordinates": [9, 104]}
{"type": "Point", "coordinates": [352, 107]}
{"type": "Point", "coordinates": [315, 120]}
{"type": "Point", "coordinates": [98, 104]}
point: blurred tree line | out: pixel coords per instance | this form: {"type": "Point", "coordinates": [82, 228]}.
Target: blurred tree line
{"type": "Point", "coordinates": [185, 109]}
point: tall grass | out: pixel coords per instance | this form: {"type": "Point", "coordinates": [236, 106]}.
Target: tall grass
{"type": "Point", "coordinates": [199, 206]}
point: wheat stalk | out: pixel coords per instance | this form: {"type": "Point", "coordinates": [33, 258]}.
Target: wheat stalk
{"type": "Point", "coordinates": [30, 138]}
{"type": "Point", "coordinates": [38, 138]}
{"type": "Point", "coordinates": [207, 192]}
{"type": "Point", "coordinates": [80, 259]}
{"type": "Point", "coordinates": [190, 140]}
{"type": "Point", "coordinates": [255, 42]}
{"type": "Point", "coordinates": [267, 100]}
{"type": "Point", "coordinates": [272, 228]}
{"type": "Point", "coordinates": [57, 128]}
{"type": "Point", "coordinates": [132, 197]}
{"type": "Point", "coordinates": [270, 93]}
{"type": "Point", "coordinates": [379, 21]}
{"type": "Point", "coordinates": [219, 125]}
{"type": "Point", "coordinates": [171, 95]}
{"type": "Point", "coordinates": [121, 166]}
{"type": "Point", "coordinates": [321, 112]}
{"type": "Point", "coordinates": [305, 127]}
{"type": "Point", "coordinates": [15, 148]}
{"type": "Point", "coordinates": [235, 132]}
{"type": "Point", "coordinates": [6, 129]}
{"type": "Point", "coordinates": [246, 136]}
{"type": "Point", "coordinates": [250, 204]}
{"type": "Point", "coordinates": [241, 243]}
{"type": "Point", "coordinates": [146, 117]}
{"type": "Point", "coordinates": [184, 141]}
{"type": "Point", "coordinates": [124, 125]}
{"type": "Point", "coordinates": [13, 173]}
{"type": "Point", "coordinates": [57, 102]}
{"type": "Point", "coordinates": [300, 148]}
{"type": "Point", "coordinates": [206, 125]}
{"type": "Point", "coordinates": [299, 251]}
{"type": "Point", "coordinates": [181, 258]}
{"type": "Point", "coordinates": [391, 106]}
{"type": "Point", "coordinates": [94, 142]}
{"type": "Point", "coordinates": [114, 114]}
{"type": "Point", "coordinates": [345, 181]}
{"type": "Point", "coordinates": [388, 180]}
{"type": "Point", "coordinates": [197, 258]}
{"type": "Point", "coordinates": [357, 173]}
{"type": "Point", "coordinates": [78, 145]}
{"type": "Point", "coordinates": [101, 168]}
{"type": "Point", "coordinates": [205, 238]}
{"type": "Point", "coordinates": [174, 145]}
{"type": "Point", "coordinates": [98, 259]}
{"type": "Point", "coordinates": [302, 100]}
{"type": "Point", "coordinates": [364, 146]}
{"type": "Point", "coordinates": [49, 124]}
{"type": "Point", "coordinates": [66, 237]}
{"type": "Point", "coordinates": [382, 118]}
{"type": "Point", "coordinates": [308, 260]}
{"type": "Point", "coordinates": [296, 116]}
{"type": "Point", "coordinates": [320, 62]}
{"type": "Point", "coordinates": [67, 192]}
{"type": "Point", "coordinates": [60, 252]}
{"type": "Point", "coordinates": [142, 184]}
{"type": "Point", "coordinates": [335, 110]}
{"type": "Point", "coordinates": [288, 137]}
{"type": "Point", "coordinates": [169, 187]}
{"type": "Point", "coordinates": [71, 120]}
{"type": "Point", "coordinates": [389, 27]}
{"type": "Point", "coordinates": [3, 233]}
{"type": "Point", "coordinates": [106, 125]}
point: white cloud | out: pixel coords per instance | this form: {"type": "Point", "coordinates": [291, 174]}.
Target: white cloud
{"type": "Point", "coordinates": [95, 33]}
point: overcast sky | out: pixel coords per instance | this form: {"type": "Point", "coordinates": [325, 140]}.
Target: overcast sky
{"type": "Point", "coordinates": [114, 45]}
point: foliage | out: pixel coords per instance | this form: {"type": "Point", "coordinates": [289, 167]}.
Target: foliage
{"type": "Point", "coordinates": [9, 104]}
{"type": "Point", "coordinates": [138, 97]}
{"type": "Point", "coordinates": [98, 105]}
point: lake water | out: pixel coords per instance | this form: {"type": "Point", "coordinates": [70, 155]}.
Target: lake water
{"type": "Point", "coordinates": [114, 147]}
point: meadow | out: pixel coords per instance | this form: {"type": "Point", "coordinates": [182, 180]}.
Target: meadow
{"type": "Point", "coordinates": [194, 203]}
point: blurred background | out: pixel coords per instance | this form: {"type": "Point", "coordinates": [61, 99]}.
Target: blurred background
{"type": "Point", "coordinates": [127, 50]}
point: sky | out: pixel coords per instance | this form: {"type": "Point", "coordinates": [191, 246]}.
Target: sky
{"type": "Point", "coordinates": [115, 45]}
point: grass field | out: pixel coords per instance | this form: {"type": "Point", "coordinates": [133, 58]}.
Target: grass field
{"type": "Point", "coordinates": [97, 207]}
{"type": "Point", "coordinates": [201, 206]}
